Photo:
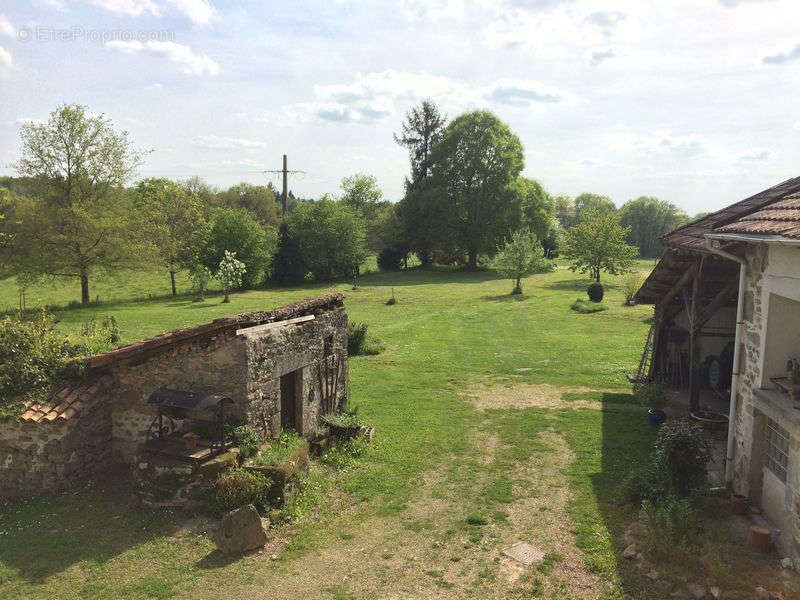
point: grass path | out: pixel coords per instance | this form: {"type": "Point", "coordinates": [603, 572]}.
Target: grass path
{"type": "Point", "coordinates": [400, 525]}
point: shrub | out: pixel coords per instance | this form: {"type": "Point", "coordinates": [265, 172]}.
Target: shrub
{"type": "Point", "coordinates": [681, 456]}
{"type": "Point", "coordinates": [346, 419]}
{"type": "Point", "coordinates": [35, 357]}
{"type": "Point", "coordinates": [238, 487]}
{"type": "Point", "coordinates": [391, 258]}
{"type": "Point", "coordinates": [584, 307]}
{"type": "Point", "coordinates": [230, 273]}
{"type": "Point", "coordinates": [356, 336]}
{"type": "Point", "coordinates": [596, 292]}
{"type": "Point", "coordinates": [652, 395]}
{"type": "Point", "coordinates": [100, 335]}
{"type": "Point", "coordinates": [247, 440]}
{"type": "Point", "coordinates": [630, 283]}
{"type": "Point", "coordinates": [671, 521]}
{"type": "Point", "coordinates": [200, 275]}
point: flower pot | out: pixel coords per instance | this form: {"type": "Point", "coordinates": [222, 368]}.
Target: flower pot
{"type": "Point", "coordinates": [656, 417]}
{"type": "Point", "coordinates": [759, 538]}
{"type": "Point", "coordinates": [739, 504]}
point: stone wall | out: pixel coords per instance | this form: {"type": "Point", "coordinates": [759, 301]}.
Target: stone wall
{"type": "Point", "coordinates": [49, 457]}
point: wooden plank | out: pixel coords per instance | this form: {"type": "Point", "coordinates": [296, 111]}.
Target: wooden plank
{"type": "Point", "coordinates": [274, 325]}
{"type": "Point", "coordinates": [694, 359]}
{"type": "Point", "coordinates": [718, 302]}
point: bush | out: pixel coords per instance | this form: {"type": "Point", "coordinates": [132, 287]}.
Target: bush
{"type": "Point", "coordinates": [35, 357]}
{"type": "Point", "coordinates": [652, 395]}
{"type": "Point", "coordinates": [346, 419]}
{"type": "Point", "coordinates": [101, 335]}
{"type": "Point", "coordinates": [279, 449]}
{"type": "Point", "coordinates": [584, 307]}
{"type": "Point", "coordinates": [681, 456]}
{"type": "Point", "coordinates": [247, 440]}
{"type": "Point", "coordinates": [237, 488]}
{"type": "Point", "coordinates": [672, 521]}
{"type": "Point", "coordinates": [596, 292]}
{"type": "Point", "coordinates": [238, 231]}
{"type": "Point", "coordinates": [391, 258]}
{"type": "Point", "coordinates": [359, 343]}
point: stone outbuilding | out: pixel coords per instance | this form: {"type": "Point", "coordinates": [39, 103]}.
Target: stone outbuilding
{"type": "Point", "coordinates": [281, 369]}
{"type": "Point", "coordinates": [727, 297]}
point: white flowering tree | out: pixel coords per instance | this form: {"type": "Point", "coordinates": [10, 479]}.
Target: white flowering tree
{"type": "Point", "coordinates": [230, 273]}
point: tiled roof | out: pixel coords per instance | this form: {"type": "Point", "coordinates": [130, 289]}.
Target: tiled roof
{"type": "Point", "coordinates": [67, 401]}
{"type": "Point", "coordinates": [734, 218]}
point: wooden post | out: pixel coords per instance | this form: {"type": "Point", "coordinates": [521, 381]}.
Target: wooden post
{"type": "Point", "coordinates": [285, 196]}
{"type": "Point", "coordinates": [694, 366]}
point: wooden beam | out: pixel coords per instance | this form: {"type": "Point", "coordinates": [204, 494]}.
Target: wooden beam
{"type": "Point", "coordinates": [716, 303]}
{"type": "Point", "coordinates": [274, 325]}
{"type": "Point", "coordinates": [694, 354]}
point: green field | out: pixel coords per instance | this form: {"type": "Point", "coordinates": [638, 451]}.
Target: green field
{"type": "Point", "coordinates": [488, 432]}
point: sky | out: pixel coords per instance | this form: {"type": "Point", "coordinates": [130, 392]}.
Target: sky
{"type": "Point", "coordinates": [690, 101]}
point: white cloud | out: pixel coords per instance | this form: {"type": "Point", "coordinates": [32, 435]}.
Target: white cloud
{"type": "Point", "coordinates": [133, 8]}
{"type": "Point", "coordinates": [756, 154]}
{"type": "Point", "coordinates": [432, 10]}
{"type": "Point", "coordinates": [5, 58]}
{"type": "Point", "coordinates": [522, 93]}
{"type": "Point", "coordinates": [200, 12]}
{"type": "Point", "coordinates": [783, 57]}
{"type": "Point", "coordinates": [216, 142]}
{"type": "Point", "coordinates": [605, 18]}
{"type": "Point", "coordinates": [733, 3]}
{"type": "Point", "coordinates": [192, 63]}
{"type": "Point", "coordinates": [6, 27]}
{"type": "Point", "coordinates": [688, 145]}
{"type": "Point", "coordinates": [23, 120]}
{"type": "Point", "coordinates": [599, 56]}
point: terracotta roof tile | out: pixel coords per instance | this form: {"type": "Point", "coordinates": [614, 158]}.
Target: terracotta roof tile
{"type": "Point", "coordinates": [68, 401]}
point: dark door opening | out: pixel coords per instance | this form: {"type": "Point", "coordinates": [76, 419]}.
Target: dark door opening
{"type": "Point", "coordinates": [289, 401]}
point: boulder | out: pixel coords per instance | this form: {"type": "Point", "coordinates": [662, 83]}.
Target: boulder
{"type": "Point", "coordinates": [239, 531]}
{"type": "Point", "coordinates": [696, 590]}
{"type": "Point", "coordinates": [630, 552]}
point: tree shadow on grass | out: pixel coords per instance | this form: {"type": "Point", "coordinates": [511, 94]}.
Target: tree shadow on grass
{"type": "Point", "coordinates": [507, 298]}
{"type": "Point", "coordinates": [578, 284]}
{"type": "Point", "coordinates": [44, 536]}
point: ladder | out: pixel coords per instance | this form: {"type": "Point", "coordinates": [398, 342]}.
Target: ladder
{"type": "Point", "coordinates": [645, 363]}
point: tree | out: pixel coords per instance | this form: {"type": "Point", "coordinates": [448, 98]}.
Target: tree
{"type": "Point", "coordinates": [520, 256]}
{"type": "Point", "coordinates": [176, 221]}
{"type": "Point", "coordinates": [648, 219]}
{"type": "Point", "coordinates": [385, 230]}
{"type": "Point", "coordinates": [422, 129]}
{"type": "Point", "coordinates": [474, 165]}
{"type": "Point", "coordinates": [238, 231]}
{"type": "Point", "coordinates": [362, 193]}
{"type": "Point", "coordinates": [586, 201]}
{"type": "Point", "coordinates": [258, 199]}
{"type": "Point", "coordinates": [80, 220]}
{"type": "Point", "coordinates": [565, 211]}
{"type": "Point", "coordinates": [331, 238]}
{"type": "Point", "coordinates": [597, 244]}
{"type": "Point", "coordinates": [290, 268]}
{"type": "Point", "coordinates": [200, 275]}
{"type": "Point", "coordinates": [230, 273]}
{"type": "Point", "coordinates": [538, 208]}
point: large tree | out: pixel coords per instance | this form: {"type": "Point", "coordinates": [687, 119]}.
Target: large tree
{"type": "Point", "coordinates": [475, 166]}
{"type": "Point", "coordinates": [422, 129]}
{"type": "Point", "coordinates": [80, 220]}
{"type": "Point", "coordinates": [565, 211]}
{"type": "Point", "coordinates": [361, 192]}
{"type": "Point", "coordinates": [589, 202]}
{"type": "Point", "coordinates": [260, 200]}
{"type": "Point", "coordinates": [176, 222]}
{"type": "Point", "coordinates": [648, 219]}
{"type": "Point", "coordinates": [537, 206]}
{"type": "Point", "coordinates": [598, 244]}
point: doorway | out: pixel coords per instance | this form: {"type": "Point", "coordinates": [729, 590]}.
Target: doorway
{"type": "Point", "coordinates": [289, 405]}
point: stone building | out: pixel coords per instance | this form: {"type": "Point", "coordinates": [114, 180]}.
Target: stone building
{"type": "Point", "coordinates": [734, 276]}
{"type": "Point", "coordinates": [282, 368]}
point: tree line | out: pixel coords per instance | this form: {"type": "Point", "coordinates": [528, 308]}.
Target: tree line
{"type": "Point", "coordinates": [74, 211]}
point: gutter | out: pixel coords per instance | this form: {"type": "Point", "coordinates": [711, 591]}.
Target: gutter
{"type": "Point", "coordinates": [712, 244]}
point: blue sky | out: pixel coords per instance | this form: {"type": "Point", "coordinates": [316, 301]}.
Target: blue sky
{"type": "Point", "coordinates": [693, 102]}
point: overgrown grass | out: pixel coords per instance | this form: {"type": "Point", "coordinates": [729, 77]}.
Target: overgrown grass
{"type": "Point", "coordinates": [587, 307]}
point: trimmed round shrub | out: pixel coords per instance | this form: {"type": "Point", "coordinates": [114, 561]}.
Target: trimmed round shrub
{"type": "Point", "coordinates": [595, 292]}
{"type": "Point", "coordinates": [239, 487]}
{"type": "Point", "coordinates": [391, 259]}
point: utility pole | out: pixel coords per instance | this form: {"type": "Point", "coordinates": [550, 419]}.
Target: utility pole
{"type": "Point", "coordinates": [285, 172]}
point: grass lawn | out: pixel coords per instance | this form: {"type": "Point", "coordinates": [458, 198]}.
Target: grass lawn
{"type": "Point", "coordinates": [498, 419]}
